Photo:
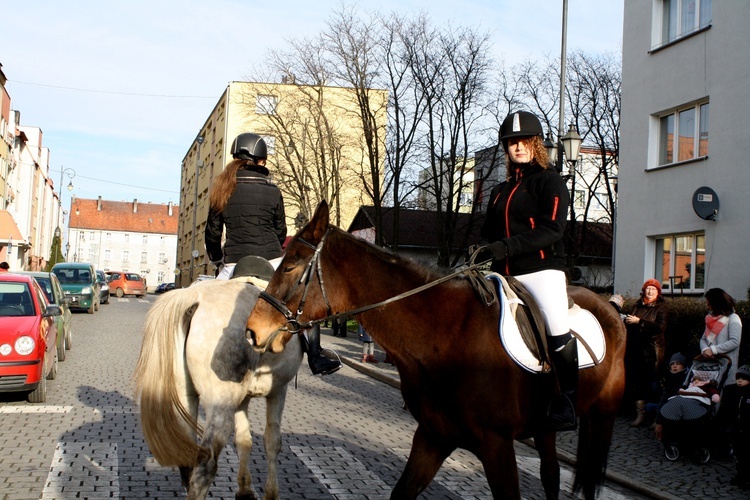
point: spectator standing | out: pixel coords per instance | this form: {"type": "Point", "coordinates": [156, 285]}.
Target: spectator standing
{"type": "Point", "coordinates": [722, 335]}
{"type": "Point", "coordinates": [644, 353]}
{"type": "Point", "coordinates": [368, 346]}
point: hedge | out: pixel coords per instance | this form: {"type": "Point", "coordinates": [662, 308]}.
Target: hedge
{"type": "Point", "coordinates": [687, 322]}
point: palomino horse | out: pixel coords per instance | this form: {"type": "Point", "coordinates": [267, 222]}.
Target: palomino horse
{"type": "Point", "coordinates": [456, 379]}
{"type": "Point", "coordinates": [194, 351]}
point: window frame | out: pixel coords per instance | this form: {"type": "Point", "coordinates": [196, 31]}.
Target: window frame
{"type": "Point", "coordinates": [700, 134]}
{"type": "Point", "coordinates": [671, 13]}
{"type": "Point", "coordinates": [698, 248]}
{"type": "Point", "coordinates": [266, 104]}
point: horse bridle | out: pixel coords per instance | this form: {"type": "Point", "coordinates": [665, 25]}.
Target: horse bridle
{"type": "Point", "coordinates": [294, 325]}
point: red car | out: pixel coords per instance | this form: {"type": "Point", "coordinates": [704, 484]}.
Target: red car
{"type": "Point", "coordinates": [28, 337]}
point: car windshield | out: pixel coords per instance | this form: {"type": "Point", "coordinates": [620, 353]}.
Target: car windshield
{"type": "Point", "coordinates": [73, 275]}
{"type": "Point", "coordinates": [46, 285]}
{"type": "Point", "coordinates": [15, 300]}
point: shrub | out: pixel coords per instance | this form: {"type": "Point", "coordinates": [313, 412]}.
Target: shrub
{"type": "Point", "coordinates": [687, 322]}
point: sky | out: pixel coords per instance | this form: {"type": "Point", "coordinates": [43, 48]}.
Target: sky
{"type": "Point", "coordinates": [120, 89]}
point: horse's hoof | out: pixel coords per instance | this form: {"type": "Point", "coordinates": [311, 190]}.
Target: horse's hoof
{"type": "Point", "coordinates": [247, 495]}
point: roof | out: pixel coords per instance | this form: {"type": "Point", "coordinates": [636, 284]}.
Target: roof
{"type": "Point", "coordinates": [123, 216]}
{"type": "Point", "coordinates": [417, 228]}
{"type": "Point", "coordinates": [9, 228]}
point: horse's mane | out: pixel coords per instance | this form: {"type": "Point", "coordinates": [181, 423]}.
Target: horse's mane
{"type": "Point", "coordinates": [420, 270]}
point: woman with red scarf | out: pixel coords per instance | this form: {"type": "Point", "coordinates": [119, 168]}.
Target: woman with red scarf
{"type": "Point", "coordinates": [722, 335]}
{"type": "Point", "coordinates": [645, 346]}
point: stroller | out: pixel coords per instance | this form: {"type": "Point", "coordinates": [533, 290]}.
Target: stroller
{"type": "Point", "coordinates": [690, 435]}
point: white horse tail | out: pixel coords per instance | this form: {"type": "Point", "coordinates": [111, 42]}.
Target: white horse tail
{"type": "Point", "coordinates": [162, 382]}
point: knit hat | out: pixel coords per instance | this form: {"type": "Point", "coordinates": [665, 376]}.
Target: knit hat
{"type": "Point", "coordinates": [678, 357]}
{"type": "Point", "coordinates": [617, 301]}
{"type": "Point", "coordinates": [743, 372]}
{"type": "Point", "coordinates": [652, 282]}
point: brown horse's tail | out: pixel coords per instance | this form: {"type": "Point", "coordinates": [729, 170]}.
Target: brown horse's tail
{"type": "Point", "coordinates": [594, 438]}
{"type": "Point", "coordinates": [162, 381]}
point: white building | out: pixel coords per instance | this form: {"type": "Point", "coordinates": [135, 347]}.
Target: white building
{"type": "Point", "coordinates": [685, 71]}
{"type": "Point", "coordinates": [124, 236]}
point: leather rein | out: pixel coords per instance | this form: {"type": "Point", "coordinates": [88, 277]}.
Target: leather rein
{"type": "Point", "coordinates": [293, 323]}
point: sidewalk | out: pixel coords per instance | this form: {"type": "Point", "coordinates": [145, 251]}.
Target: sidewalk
{"type": "Point", "coordinates": [636, 460]}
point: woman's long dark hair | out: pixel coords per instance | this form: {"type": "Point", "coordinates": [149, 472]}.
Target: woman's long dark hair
{"type": "Point", "coordinates": [720, 302]}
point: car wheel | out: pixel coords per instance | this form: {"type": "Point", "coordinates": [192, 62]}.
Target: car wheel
{"type": "Point", "coordinates": [61, 349]}
{"type": "Point", "coordinates": [52, 375]}
{"type": "Point", "coordinates": [119, 293]}
{"type": "Point", "coordinates": [38, 395]}
{"type": "Point", "coordinates": [106, 300]}
{"type": "Point", "coordinates": [69, 339]}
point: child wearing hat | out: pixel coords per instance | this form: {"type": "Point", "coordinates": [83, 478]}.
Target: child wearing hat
{"type": "Point", "coordinates": [673, 382]}
{"type": "Point", "coordinates": [741, 434]}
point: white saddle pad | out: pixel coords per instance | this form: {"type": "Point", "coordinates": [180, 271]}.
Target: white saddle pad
{"type": "Point", "coordinates": [581, 321]}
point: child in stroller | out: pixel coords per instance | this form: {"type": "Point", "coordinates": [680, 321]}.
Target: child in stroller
{"type": "Point", "coordinates": [687, 416]}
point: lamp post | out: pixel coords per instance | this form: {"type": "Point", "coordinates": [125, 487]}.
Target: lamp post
{"type": "Point", "coordinates": [198, 163]}
{"type": "Point", "coordinates": [71, 173]}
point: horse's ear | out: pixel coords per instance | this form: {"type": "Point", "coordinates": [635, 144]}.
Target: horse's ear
{"type": "Point", "coordinates": [320, 220]}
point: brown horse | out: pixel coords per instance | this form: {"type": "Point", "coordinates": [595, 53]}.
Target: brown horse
{"type": "Point", "coordinates": [456, 379]}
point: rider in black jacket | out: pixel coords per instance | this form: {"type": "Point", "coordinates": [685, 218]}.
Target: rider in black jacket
{"type": "Point", "coordinates": [246, 204]}
{"type": "Point", "coordinates": [524, 227]}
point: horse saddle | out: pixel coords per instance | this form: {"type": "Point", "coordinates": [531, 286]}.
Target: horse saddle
{"type": "Point", "coordinates": [523, 334]}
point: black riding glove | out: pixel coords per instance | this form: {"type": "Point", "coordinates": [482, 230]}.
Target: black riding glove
{"type": "Point", "coordinates": [496, 250]}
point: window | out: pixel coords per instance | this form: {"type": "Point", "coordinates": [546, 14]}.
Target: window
{"type": "Point", "coordinates": [107, 255]}
{"type": "Point", "coordinates": [91, 255]}
{"type": "Point", "coordinates": [144, 257]}
{"type": "Point", "coordinates": [266, 104]}
{"type": "Point", "coordinates": [127, 238]}
{"type": "Point", "coordinates": [681, 262]}
{"type": "Point", "coordinates": [680, 18]}
{"type": "Point", "coordinates": [270, 144]}
{"type": "Point", "coordinates": [145, 239]}
{"type": "Point", "coordinates": [91, 235]}
{"type": "Point", "coordinates": [683, 134]}
{"type": "Point", "coordinates": [579, 200]}
{"type": "Point", "coordinates": [160, 277]}
{"type": "Point", "coordinates": [126, 256]}
{"type": "Point", "coordinates": [162, 258]}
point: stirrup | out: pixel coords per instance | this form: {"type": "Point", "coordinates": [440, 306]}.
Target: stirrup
{"type": "Point", "coordinates": [331, 370]}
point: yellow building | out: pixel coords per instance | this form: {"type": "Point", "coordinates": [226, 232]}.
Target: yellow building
{"type": "Point", "coordinates": [316, 151]}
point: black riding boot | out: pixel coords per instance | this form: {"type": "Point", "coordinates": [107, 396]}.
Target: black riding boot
{"type": "Point", "coordinates": [561, 414]}
{"type": "Point", "coordinates": [319, 364]}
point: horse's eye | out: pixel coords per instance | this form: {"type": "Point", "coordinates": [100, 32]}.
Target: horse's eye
{"type": "Point", "coordinates": [289, 269]}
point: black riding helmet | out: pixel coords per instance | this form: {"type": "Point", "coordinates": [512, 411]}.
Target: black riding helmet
{"type": "Point", "coordinates": [520, 124]}
{"type": "Point", "coordinates": [249, 146]}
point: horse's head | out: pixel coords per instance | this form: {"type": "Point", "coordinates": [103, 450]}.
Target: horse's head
{"type": "Point", "coordinates": [274, 320]}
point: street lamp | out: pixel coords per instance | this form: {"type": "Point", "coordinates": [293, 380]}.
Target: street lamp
{"type": "Point", "coordinates": [71, 173]}
{"type": "Point", "coordinates": [198, 163]}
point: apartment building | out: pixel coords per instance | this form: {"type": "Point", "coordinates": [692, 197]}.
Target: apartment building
{"type": "Point", "coordinates": [315, 151]}
{"type": "Point", "coordinates": [683, 206]}
{"type": "Point", "coordinates": [124, 236]}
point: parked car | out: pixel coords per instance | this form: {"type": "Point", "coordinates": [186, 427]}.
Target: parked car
{"type": "Point", "coordinates": [28, 337]}
{"type": "Point", "coordinates": [164, 287]}
{"type": "Point", "coordinates": [50, 285]}
{"type": "Point", "coordinates": [78, 281]}
{"type": "Point", "coordinates": [103, 287]}
{"type": "Point", "coordinates": [124, 283]}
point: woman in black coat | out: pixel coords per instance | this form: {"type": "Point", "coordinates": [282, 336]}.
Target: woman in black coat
{"type": "Point", "coordinates": [249, 207]}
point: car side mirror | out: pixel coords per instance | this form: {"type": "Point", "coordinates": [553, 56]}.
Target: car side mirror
{"type": "Point", "coordinates": [52, 310]}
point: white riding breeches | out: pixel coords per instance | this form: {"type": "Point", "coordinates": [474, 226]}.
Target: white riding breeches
{"type": "Point", "coordinates": [549, 288]}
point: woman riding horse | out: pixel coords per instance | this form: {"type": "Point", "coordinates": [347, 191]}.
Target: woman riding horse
{"type": "Point", "coordinates": [525, 224]}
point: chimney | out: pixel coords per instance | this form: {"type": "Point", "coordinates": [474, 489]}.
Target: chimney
{"type": "Point", "coordinates": [135, 206]}
{"type": "Point", "coordinates": [99, 204]}
{"type": "Point", "coordinates": [169, 208]}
